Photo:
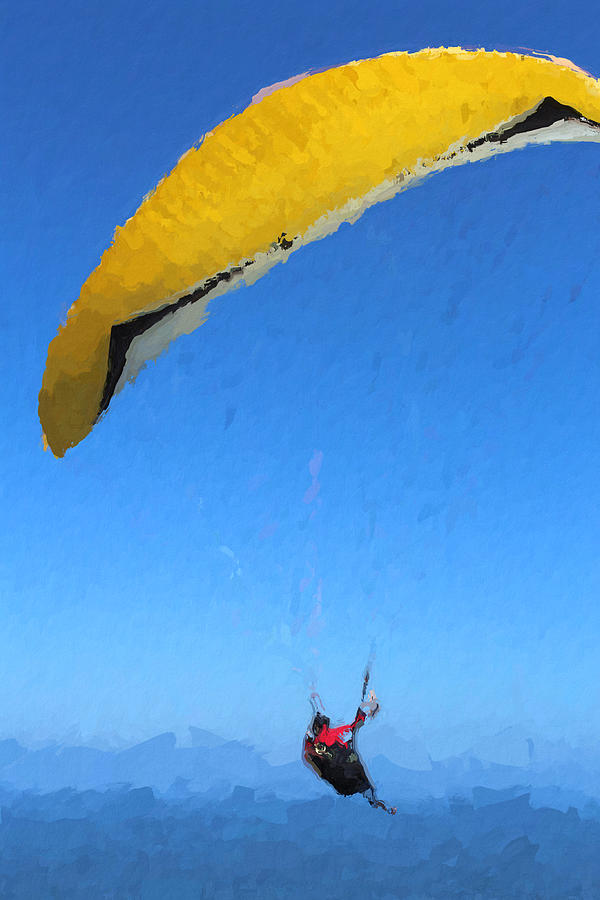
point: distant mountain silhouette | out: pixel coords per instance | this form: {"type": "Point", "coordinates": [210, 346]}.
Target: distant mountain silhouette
{"type": "Point", "coordinates": [126, 843]}
{"type": "Point", "coordinates": [215, 819]}
{"type": "Point", "coordinates": [202, 738]}
{"type": "Point", "coordinates": [211, 764]}
{"type": "Point", "coordinates": [554, 773]}
{"type": "Point", "coordinates": [10, 751]}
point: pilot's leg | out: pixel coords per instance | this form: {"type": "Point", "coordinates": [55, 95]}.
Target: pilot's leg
{"type": "Point", "coordinates": [379, 804]}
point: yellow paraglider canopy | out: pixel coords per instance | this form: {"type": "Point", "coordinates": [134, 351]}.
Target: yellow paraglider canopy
{"type": "Point", "coordinates": [288, 170]}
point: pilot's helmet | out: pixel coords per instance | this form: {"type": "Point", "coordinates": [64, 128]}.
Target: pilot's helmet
{"type": "Point", "coordinates": [319, 721]}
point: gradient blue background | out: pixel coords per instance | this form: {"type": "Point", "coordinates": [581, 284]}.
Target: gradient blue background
{"type": "Point", "coordinates": [439, 360]}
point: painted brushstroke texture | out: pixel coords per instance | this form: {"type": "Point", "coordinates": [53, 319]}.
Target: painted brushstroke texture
{"type": "Point", "coordinates": [289, 170]}
{"type": "Point", "coordinates": [214, 819]}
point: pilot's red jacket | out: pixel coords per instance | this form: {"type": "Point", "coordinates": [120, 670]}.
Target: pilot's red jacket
{"type": "Point", "coordinates": [330, 736]}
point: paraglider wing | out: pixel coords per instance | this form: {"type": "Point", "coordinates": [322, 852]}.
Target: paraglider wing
{"type": "Point", "coordinates": [289, 170]}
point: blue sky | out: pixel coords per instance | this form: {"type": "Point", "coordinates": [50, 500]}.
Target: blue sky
{"type": "Point", "coordinates": [434, 368]}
